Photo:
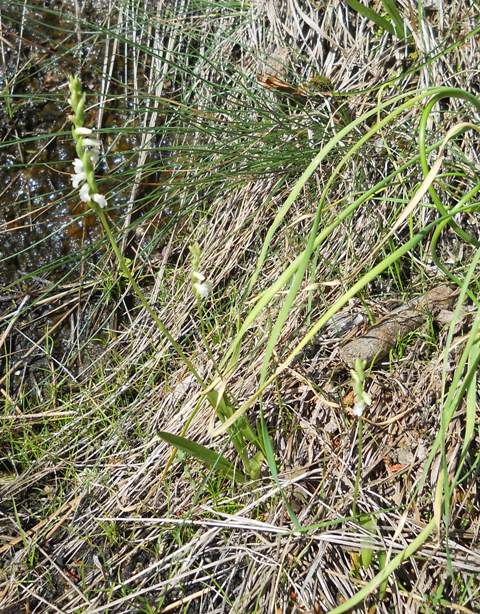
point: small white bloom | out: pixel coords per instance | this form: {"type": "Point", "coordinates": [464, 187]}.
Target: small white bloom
{"type": "Point", "coordinates": [85, 193]}
{"type": "Point", "coordinates": [78, 165]}
{"type": "Point", "coordinates": [100, 200]}
{"type": "Point", "coordinates": [358, 409]}
{"type": "Point", "coordinates": [82, 131]}
{"type": "Point", "coordinates": [198, 277]}
{"type": "Point", "coordinates": [91, 143]}
{"type": "Point", "coordinates": [78, 178]}
{"type": "Point", "coordinates": [203, 290]}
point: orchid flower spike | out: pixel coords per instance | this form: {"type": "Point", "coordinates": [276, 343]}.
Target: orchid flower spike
{"type": "Point", "coordinates": [88, 150]}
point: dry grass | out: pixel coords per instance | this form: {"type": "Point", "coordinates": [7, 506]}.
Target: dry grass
{"type": "Point", "coordinates": [90, 522]}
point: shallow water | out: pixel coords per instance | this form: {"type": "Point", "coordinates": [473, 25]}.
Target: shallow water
{"type": "Point", "coordinates": [49, 239]}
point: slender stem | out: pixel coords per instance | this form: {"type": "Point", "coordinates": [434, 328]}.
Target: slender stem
{"type": "Point", "coordinates": [358, 475]}
{"type": "Point", "coordinates": [125, 269]}
{"type": "Point", "coordinates": [241, 433]}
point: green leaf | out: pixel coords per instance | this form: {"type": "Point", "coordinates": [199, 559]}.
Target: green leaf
{"type": "Point", "coordinates": [272, 465]}
{"type": "Point", "coordinates": [369, 13]}
{"type": "Point", "coordinates": [400, 26]}
{"type": "Point", "coordinates": [382, 561]}
{"type": "Point", "coordinates": [387, 570]}
{"type": "Point", "coordinates": [210, 458]}
{"type": "Point", "coordinates": [366, 551]}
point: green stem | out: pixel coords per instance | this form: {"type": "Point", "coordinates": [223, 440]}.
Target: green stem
{"type": "Point", "coordinates": [241, 433]}
{"type": "Point", "coordinates": [358, 475]}
{"type": "Point", "coordinates": [141, 297]}
{"type": "Point", "coordinates": [387, 570]}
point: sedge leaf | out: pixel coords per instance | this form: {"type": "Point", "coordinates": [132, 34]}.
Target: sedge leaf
{"type": "Point", "coordinates": [369, 13]}
{"type": "Point", "coordinates": [210, 458]}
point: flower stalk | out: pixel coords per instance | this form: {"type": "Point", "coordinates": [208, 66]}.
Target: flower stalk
{"type": "Point", "coordinates": [87, 151]}
{"type": "Point", "coordinates": [362, 399]}
{"type": "Point", "coordinates": [88, 148]}
{"type": "Point", "coordinates": [201, 287]}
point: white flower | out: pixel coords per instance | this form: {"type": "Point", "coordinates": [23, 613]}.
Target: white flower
{"type": "Point", "coordinates": [202, 289]}
{"type": "Point", "coordinates": [91, 143]}
{"type": "Point", "coordinates": [198, 277]}
{"type": "Point", "coordinates": [82, 131]}
{"type": "Point", "coordinates": [78, 165]}
{"type": "Point", "coordinates": [78, 178]}
{"type": "Point", "coordinates": [92, 147]}
{"type": "Point", "coordinates": [93, 156]}
{"type": "Point", "coordinates": [358, 409]}
{"type": "Point", "coordinates": [85, 193]}
{"type": "Point", "coordinates": [100, 200]}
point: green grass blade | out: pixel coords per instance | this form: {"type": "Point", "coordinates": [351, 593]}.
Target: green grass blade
{"type": "Point", "coordinates": [302, 260]}
{"type": "Point", "coordinates": [212, 460]}
{"type": "Point", "coordinates": [400, 26]}
{"type": "Point", "coordinates": [383, 575]}
{"type": "Point", "coordinates": [272, 465]}
{"type": "Point", "coordinates": [453, 397]}
{"type": "Point", "coordinates": [473, 359]}
{"type": "Point", "coordinates": [372, 15]}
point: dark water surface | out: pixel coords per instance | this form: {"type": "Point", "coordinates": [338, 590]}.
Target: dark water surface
{"type": "Point", "coordinates": [51, 244]}
{"type": "Point", "coordinates": [44, 227]}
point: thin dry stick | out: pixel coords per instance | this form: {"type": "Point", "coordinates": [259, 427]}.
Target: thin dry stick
{"type": "Point", "coordinates": [180, 602]}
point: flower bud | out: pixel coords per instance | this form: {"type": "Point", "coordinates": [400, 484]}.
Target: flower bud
{"type": "Point", "coordinates": [82, 131]}
{"type": "Point", "coordinates": [85, 193]}
{"type": "Point", "coordinates": [100, 200]}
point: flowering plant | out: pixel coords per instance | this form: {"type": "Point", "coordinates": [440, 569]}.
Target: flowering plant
{"type": "Point", "coordinates": [242, 434]}
{"type": "Point", "coordinates": [200, 285]}
{"type": "Point", "coordinates": [87, 148]}
{"type": "Point", "coordinates": [362, 398]}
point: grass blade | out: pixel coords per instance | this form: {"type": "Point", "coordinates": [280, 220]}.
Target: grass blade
{"type": "Point", "coordinates": [372, 15]}
{"type": "Point", "coordinates": [394, 14]}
